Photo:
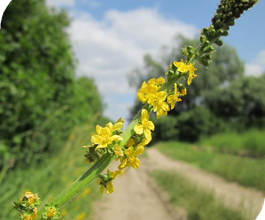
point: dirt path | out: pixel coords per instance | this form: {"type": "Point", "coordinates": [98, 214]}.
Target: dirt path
{"type": "Point", "coordinates": [235, 196]}
{"type": "Point", "coordinates": [138, 197]}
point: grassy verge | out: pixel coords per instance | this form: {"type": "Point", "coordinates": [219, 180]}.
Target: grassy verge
{"type": "Point", "coordinates": [250, 143]}
{"type": "Point", "coordinates": [198, 204]}
{"type": "Point", "coordinates": [50, 178]}
{"type": "Point", "coordinates": [245, 171]}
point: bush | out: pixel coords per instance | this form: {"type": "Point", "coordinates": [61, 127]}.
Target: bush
{"type": "Point", "coordinates": [40, 99]}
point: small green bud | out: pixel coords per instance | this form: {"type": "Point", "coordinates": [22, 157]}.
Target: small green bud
{"type": "Point", "coordinates": [203, 39]}
{"type": "Point", "coordinates": [208, 49]}
{"type": "Point", "coordinates": [218, 42]}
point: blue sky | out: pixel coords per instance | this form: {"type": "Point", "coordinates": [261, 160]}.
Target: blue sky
{"type": "Point", "coordinates": [111, 37]}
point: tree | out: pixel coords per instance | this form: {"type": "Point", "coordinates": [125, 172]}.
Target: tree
{"type": "Point", "coordinates": [40, 99]}
{"type": "Point", "coordinates": [241, 102]}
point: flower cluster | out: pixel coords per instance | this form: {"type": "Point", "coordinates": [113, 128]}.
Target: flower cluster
{"type": "Point", "coordinates": [27, 206]}
{"type": "Point", "coordinates": [162, 101]}
{"type": "Point", "coordinates": [186, 68]}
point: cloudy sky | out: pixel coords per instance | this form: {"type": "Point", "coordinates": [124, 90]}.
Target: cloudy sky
{"type": "Point", "coordinates": [111, 37]}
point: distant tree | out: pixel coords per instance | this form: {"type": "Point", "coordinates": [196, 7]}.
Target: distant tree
{"type": "Point", "coordinates": [241, 102]}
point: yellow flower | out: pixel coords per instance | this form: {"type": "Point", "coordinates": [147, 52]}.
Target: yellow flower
{"type": "Point", "coordinates": [192, 75]}
{"type": "Point", "coordinates": [150, 88]}
{"type": "Point", "coordinates": [118, 151]}
{"type": "Point", "coordinates": [108, 185]}
{"type": "Point", "coordinates": [51, 212]}
{"type": "Point", "coordinates": [157, 82]}
{"type": "Point", "coordinates": [131, 158]}
{"type": "Point", "coordinates": [146, 91]}
{"type": "Point", "coordinates": [104, 136]}
{"type": "Point", "coordinates": [109, 188]}
{"type": "Point", "coordinates": [145, 126]}
{"type": "Point", "coordinates": [159, 105]}
{"type": "Point", "coordinates": [31, 198]}
{"type": "Point", "coordinates": [184, 68]}
{"type": "Point", "coordinates": [172, 99]}
{"type": "Point", "coordinates": [183, 92]}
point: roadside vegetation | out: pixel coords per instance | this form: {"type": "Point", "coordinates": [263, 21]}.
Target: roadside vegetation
{"type": "Point", "coordinates": [246, 171]}
{"type": "Point", "coordinates": [49, 178]}
{"type": "Point", "coordinates": [199, 205]}
{"type": "Point", "coordinates": [249, 144]}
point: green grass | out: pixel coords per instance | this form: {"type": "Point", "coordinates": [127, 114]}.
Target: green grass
{"type": "Point", "coordinates": [199, 205]}
{"type": "Point", "coordinates": [51, 178]}
{"type": "Point", "coordinates": [250, 143]}
{"type": "Point", "coordinates": [245, 171]}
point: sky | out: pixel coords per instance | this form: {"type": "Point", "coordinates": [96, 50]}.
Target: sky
{"type": "Point", "coordinates": [110, 38]}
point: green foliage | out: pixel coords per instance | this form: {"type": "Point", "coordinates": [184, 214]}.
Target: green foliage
{"type": "Point", "coordinates": [249, 143]}
{"type": "Point", "coordinates": [198, 122]}
{"type": "Point", "coordinates": [243, 102]}
{"type": "Point", "coordinates": [199, 205]}
{"type": "Point", "coordinates": [40, 99]}
{"type": "Point", "coordinates": [50, 177]}
{"type": "Point", "coordinates": [246, 171]}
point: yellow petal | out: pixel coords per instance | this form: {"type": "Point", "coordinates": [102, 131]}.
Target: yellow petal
{"type": "Point", "coordinates": [130, 142]}
{"type": "Point", "coordinates": [151, 125]}
{"type": "Point", "coordinates": [105, 131]}
{"type": "Point", "coordinates": [116, 138]}
{"type": "Point", "coordinates": [144, 115]}
{"type": "Point", "coordinates": [109, 125]}
{"type": "Point", "coordinates": [97, 139]}
{"type": "Point", "coordinates": [114, 174]}
{"type": "Point", "coordinates": [117, 126]}
{"type": "Point", "coordinates": [123, 164]}
{"type": "Point", "coordinates": [136, 163]}
{"type": "Point", "coordinates": [139, 150]}
{"type": "Point", "coordinates": [109, 187]}
{"type": "Point", "coordinates": [98, 129]}
{"type": "Point", "coordinates": [129, 151]}
{"type": "Point", "coordinates": [101, 146]}
{"type": "Point", "coordinates": [101, 190]}
{"type": "Point", "coordinates": [147, 134]}
{"type": "Point", "coordinates": [139, 129]}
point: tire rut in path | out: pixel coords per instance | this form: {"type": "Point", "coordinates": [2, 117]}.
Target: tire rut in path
{"type": "Point", "coordinates": [247, 200]}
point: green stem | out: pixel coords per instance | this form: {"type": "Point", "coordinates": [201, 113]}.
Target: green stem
{"type": "Point", "coordinates": [68, 194]}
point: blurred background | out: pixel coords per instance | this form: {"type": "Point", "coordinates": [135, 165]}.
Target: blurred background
{"type": "Point", "coordinates": [67, 65]}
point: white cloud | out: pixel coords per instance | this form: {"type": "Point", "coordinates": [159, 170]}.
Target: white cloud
{"type": "Point", "coordinates": [257, 66]}
{"type": "Point", "coordinates": [253, 69]}
{"type": "Point", "coordinates": [60, 2]}
{"type": "Point", "coordinates": [109, 49]}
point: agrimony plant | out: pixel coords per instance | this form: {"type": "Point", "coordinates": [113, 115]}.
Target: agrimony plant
{"type": "Point", "coordinates": [157, 95]}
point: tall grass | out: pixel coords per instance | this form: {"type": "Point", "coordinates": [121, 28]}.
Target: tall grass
{"type": "Point", "coordinates": [246, 171]}
{"type": "Point", "coordinates": [199, 205]}
{"type": "Point", "coordinates": [249, 143]}
{"type": "Point", "coordinates": [50, 178]}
